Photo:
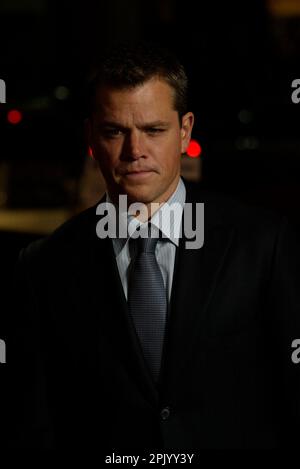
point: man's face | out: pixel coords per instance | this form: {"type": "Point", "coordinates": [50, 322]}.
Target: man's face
{"type": "Point", "coordinates": [136, 137]}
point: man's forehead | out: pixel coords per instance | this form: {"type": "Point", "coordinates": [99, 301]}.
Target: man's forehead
{"type": "Point", "coordinates": [139, 105]}
{"type": "Point", "coordinates": [149, 90]}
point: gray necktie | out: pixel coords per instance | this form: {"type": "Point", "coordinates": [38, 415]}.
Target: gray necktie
{"type": "Point", "coordinates": [148, 302]}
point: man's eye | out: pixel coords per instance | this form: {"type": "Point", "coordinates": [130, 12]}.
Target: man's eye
{"type": "Point", "coordinates": [155, 131]}
{"type": "Point", "coordinates": [110, 133]}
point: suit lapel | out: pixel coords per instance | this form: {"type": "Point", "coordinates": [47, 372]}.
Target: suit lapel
{"type": "Point", "coordinates": [195, 279]}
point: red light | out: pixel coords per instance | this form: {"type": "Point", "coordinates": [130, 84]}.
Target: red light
{"type": "Point", "coordinates": [194, 149]}
{"type": "Point", "coordinates": [14, 116]}
{"type": "Point", "coordinates": [90, 152]}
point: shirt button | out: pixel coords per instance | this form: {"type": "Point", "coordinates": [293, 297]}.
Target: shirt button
{"type": "Point", "coordinates": [165, 413]}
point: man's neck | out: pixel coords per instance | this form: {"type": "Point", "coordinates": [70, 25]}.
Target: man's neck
{"type": "Point", "coordinates": [149, 209]}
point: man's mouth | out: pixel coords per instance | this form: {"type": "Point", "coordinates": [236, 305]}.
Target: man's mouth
{"type": "Point", "coordinates": [138, 174]}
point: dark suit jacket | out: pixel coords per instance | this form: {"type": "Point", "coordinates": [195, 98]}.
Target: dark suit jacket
{"type": "Point", "coordinates": [228, 381]}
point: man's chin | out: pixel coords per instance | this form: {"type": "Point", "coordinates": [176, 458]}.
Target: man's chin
{"type": "Point", "coordinates": [139, 193]}
{"type": "Point", "coordinates": [143, 197]}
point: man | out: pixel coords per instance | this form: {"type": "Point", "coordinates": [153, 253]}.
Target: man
{"type": "Point", "coordinates": [198, 358]}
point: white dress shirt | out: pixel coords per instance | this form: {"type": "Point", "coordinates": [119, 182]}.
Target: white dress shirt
{"type": "Point", "coordinates": [165, 249]}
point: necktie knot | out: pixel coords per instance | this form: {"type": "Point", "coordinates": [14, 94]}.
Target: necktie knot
{"type": "Point", "coordinates": [146, 245]}
{"type": "Point", "coordinates": [147, 241]}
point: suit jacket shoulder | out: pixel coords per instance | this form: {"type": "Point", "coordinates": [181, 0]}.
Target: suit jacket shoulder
{"type": "Point", "coordinates": [223, 210]}
{"type": "Point", "coordinates": [71, 234]}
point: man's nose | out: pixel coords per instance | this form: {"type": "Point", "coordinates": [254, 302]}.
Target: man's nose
{"type": "Point", "coordinates": [133, 145]}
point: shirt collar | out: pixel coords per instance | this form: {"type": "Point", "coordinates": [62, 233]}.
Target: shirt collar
{"type": "Point", "coordinates": [170, 225]}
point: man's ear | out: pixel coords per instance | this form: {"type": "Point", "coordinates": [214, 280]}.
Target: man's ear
{"type": "Point", "coordinates": [187, 123]}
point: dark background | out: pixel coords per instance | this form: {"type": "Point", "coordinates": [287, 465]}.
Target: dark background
{"type": "Point", "coordinates": [241, 58]}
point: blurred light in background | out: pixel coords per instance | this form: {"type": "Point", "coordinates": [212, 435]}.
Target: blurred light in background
{"type": "Point", "coordinates": [90, 153]}
{"type": "Point", "coordinates": [61, 93]}
{"type": "Point", "coordinates": [245, 116]}
{"type": "Point", "coordinates": [38, 103]}
{"type": "Point", "coordinates": [247, 143]}
{"type": "Point", "coordinates": [284, 7]}
{"type": "Point", "coordinates": [194, 149]}
{"type": "Point", "coordinates": [14, 116]}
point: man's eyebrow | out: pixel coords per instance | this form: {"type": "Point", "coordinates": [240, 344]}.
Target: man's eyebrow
{"type": "Point", "coordinates": [148, 125]}
{"type": "Point", "coordinates": [112, 124]}
{"type": "Point", "coordinates": [155, 124]}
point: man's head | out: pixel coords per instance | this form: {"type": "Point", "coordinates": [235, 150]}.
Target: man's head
{"type": "Point", "coordinates": [138, 126]}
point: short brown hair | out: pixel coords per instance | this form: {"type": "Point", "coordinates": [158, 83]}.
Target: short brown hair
{"type": "Point", "coordinates": [130, 66]}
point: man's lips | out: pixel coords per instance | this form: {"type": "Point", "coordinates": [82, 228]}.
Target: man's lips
{"type": "Point", "coordinates": [136, 171]}
{"type": "Point", "coordinates": [138, 174]}
{"type": "Point", "coordinates": [141, 171]}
